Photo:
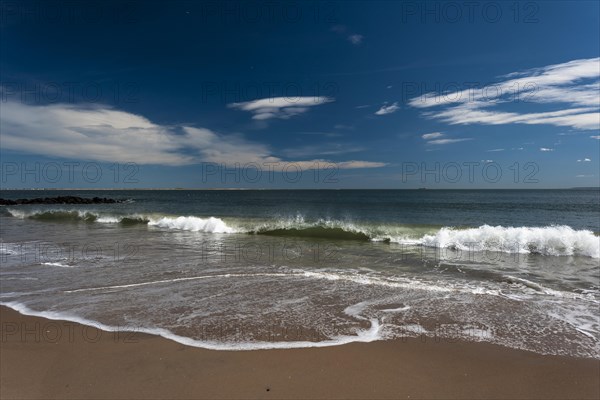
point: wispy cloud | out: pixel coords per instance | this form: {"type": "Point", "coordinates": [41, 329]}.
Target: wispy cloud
{"type": "Point", "coordinates": [545, 149]}
{"type": "Point", "coordinates": [448, 141]}
{"type": "Point", "coordinates": [105, 134]}
{"type": "Point", "coordinates": [572, 88]}
{"type": "Point", "coordinates": [385, 109]}
{"type": "Point", "coordinates": [327, 149]}
{"type": "Point", "coordinates": [597, 137]}
{"type": "Point", "coordinates": [359, 164]}
{"type": "Point", "coordinates": [439, 138]}
{"type": "Point", "coordinates": [432, 135]}
{"type": "Point", "coordinates": [354, 38]}
{"type": "Point", "coordinates": [584, 160]}
{"type": "Point", "coordinates": [280, 107]}
{"type": "Point", "coordinates": [494, 150]}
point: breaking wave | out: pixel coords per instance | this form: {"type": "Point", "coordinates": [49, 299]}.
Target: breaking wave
{"type": "Point", "coordinates": [550, 240]}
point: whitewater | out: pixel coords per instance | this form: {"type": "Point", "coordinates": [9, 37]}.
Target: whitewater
{"type": "Point", "coordinates": [549, 240]}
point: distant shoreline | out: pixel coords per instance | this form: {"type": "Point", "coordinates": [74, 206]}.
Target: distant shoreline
{"type": "Point", "coordinates": [273, 189]}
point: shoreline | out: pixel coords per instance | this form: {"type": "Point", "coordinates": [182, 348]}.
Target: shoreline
{"type": "Point", "coordinates": [281, 189]}
{"type": "Point", "coordinates": [42, 358]}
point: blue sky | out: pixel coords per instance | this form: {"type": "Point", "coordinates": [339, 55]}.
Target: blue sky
{"type": "Point", "coordinates": [352, 95]}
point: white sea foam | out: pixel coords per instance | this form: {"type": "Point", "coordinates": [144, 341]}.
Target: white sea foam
{"type": "Point", "coordinates": [109, 220]}
{"type": "Point", "coordinates": [399, 309]}
{"type": "Point", "coordinates": [363, 335]}
{"type": "Point", "coordinates": [551, 240]}
{"type": "Point", "coordinates": [56, 264]}
{"type": "Point", "coordinates": [190, 278]}
{"type": "Point", "coordinates": [357, 278]}
{"type": "Point", "coordinates": [195, 224]}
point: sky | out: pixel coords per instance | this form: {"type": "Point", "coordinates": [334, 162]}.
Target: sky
{"type": "Point", "coordinates": [329, 95]}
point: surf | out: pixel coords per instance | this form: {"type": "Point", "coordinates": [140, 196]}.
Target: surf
{"type": "Point", "coordinates": [554, 240]}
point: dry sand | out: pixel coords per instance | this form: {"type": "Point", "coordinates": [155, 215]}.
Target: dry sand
{"type": "Point", "coordinates": [88, 363]}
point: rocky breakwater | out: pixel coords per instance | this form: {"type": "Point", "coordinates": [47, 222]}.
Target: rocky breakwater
{"type": "Point", "coordinates": [60, 200]}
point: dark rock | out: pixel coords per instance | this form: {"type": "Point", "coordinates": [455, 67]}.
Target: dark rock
{"type": "Point", "coordinates": [60, 200]}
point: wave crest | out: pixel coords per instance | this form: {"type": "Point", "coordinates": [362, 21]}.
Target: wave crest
{"type": "Point", "coordinates": [551, 240]}
{"type": "Point", "coordinates": [195, 224]}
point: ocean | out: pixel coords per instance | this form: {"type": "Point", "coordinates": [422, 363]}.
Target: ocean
{"type": "Point", "coordinates": [262, 269]}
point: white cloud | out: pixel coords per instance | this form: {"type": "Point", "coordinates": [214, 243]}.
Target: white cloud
{"type": "Point", "coordinates": [435, 138]}
{"type": "Point", "coordinates": [573, 88]}
{"type": "Point", "coordinates": [448, 141]}
{"type": "Point", "coordinates": [584, 160]}
{"type": "Point", "coordinates": [545, 149]}
{"type": "Point", "coordinates": [495, 150]}
{"type": "Point", "coordinates": [597, 137]}
{"type": "Point", "coordinates": [432, 135]}
{"type": "Point", "coordinates": [356, 39]}
{"type": "Point", "coordinates": [105, 134]}
{"type": "Point", "coordinates": [359, 164]}
{"type": "Point", "coordinates": [99, 133]}
{"type": "Point", "coordinates": [387, 109]}
{"type": "Point", "coordinates": [280, 107]}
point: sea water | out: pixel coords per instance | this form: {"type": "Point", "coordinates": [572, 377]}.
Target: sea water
{"type": "Point", "coordinates": [258, 269]}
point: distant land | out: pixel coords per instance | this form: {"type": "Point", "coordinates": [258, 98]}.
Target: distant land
{"type": "Point", "coordinates": [159, 189]}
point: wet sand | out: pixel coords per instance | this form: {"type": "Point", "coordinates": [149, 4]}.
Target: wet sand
{"type": "Point", "coordinates": [40, 358]}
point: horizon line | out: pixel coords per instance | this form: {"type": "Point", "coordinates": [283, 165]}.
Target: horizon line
{"type": "Point", "coordinates": [214, 189]}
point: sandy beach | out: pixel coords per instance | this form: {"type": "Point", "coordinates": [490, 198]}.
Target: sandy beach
{"type": "Point", "coordinates": [57, 359]}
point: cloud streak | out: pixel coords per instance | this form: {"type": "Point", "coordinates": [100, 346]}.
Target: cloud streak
{"type": "Point", "coordinates": [572, 88]}
{"type": "Point", "coordinates": [280, 107]}
{"type": "Point", "coordinates": [385, 109]}
{"type": "Point", "coordinates": [356, 39]}
{"type": "Point", "coordinates": [433, 135]}
{"type": "Point", "coordinates": [448, 141]}
{"type": "Point", "coordinates": [439, 138]}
